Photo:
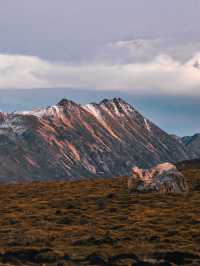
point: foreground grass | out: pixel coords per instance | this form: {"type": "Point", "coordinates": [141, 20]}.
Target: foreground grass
{"type": "Point", "coordinates": [98, 223]}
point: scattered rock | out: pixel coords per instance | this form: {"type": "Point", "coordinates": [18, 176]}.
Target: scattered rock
{"type": "Point", "coordinates": [163, 178]}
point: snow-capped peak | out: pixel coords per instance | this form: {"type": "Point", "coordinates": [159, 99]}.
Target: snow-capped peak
{"type": "Point", "coordinates": [43, 112]}
{"type": "Point", "coordinates": [117, 106]}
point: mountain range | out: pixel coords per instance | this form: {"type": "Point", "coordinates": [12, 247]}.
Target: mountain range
{"type": "Point", "coordinates": [73, 141]}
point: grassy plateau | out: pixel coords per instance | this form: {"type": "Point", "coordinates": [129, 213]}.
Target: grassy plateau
{"type": "Point", "coordinates": [98, 223]}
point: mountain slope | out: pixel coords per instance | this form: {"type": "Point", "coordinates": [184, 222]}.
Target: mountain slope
{"type": "Point", "coordinates": [193, 144]}
{"type": "Point", "coordinates": [70, 141]}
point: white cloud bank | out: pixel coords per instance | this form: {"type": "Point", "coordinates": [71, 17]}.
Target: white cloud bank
{"type": "Point", "coordinates": [160, 75]}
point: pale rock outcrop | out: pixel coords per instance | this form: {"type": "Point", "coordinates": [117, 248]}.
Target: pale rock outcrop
{"type": "Point", "coordinates": [163, 178]}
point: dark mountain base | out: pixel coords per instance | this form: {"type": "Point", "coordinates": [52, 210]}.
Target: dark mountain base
{"type": "Point", "coordinates": [98, 223]}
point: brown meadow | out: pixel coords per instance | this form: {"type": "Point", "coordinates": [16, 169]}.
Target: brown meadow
{"type": "Point", "coordinates": [98, 223]}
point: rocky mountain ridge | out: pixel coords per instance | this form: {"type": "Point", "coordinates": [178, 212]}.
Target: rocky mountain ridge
{"type": "Point", "coordinates": [70, 141]}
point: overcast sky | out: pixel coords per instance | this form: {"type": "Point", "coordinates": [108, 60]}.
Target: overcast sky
{"type": "Point", "coordinates": [144, 49]}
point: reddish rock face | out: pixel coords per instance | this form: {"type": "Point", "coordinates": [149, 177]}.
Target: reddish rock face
{"type": "Point", "coordinates": [69, 141]}
{"type": "Point", "coordinates": [162, 178]}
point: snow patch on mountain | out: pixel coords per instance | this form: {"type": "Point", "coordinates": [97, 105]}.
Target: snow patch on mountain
{"type": "Point", "coordinates": [14, 123]}
{"type": "Point", "coordinates": [147, 125]}
{"type": "Point", "coordinates": [116, 110]}
{"type": "Point", "coordinates": [95, 111]}
{"type": "Point", "coordinates": [126, 108]}
{"type": "Point", "coordinates": [44, 112]}
{"type": "Point", "coordinates": [117, 107]}
{"type": "Point", "coordinates": [106, 109]}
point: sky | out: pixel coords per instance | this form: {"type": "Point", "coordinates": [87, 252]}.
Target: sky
{"type": "Point", "coordinates": [147, 52]}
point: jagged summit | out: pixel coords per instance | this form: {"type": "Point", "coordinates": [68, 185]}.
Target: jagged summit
{"type": "Point", "coordinates": [115, 107]}
{"type": "Point", "coordinates": [115, 100]}
{"type": "Point", "coordinates": [118, 105]}
{"type": "Point", "coordinates": [65, 103]}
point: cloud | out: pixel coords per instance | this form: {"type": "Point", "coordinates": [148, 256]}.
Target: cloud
{"type": "Point", "coordinates": [18, 71]}
{"type": "Point", "coordinates": [137, 50]}
{"type": "Point", "coordinates": [143, 50]}
{"type": "Point", "coordinates": [162, 75]}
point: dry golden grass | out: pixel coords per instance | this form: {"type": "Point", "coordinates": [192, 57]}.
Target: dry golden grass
{"type": "Point", "coordinates": [98, 223]}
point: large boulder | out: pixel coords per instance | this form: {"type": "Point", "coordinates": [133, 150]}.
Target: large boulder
{"type": "Point", "coordinates": [163, 178]}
